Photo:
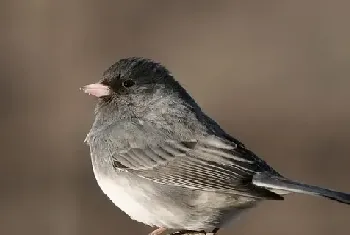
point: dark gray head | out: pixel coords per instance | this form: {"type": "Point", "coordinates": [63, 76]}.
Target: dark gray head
{"type": "Point", "coordinates": [134, 84]}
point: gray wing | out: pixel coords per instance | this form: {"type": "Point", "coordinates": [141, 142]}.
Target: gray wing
{"type": "Point", "coordinates": [206, 164]}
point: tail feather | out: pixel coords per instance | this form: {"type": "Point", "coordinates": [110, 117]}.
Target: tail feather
{"type": "Point", "coordinates": [283, 185]}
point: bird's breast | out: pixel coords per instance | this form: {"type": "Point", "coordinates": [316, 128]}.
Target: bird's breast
{"type": "Point", "coordinates": [167, 206]}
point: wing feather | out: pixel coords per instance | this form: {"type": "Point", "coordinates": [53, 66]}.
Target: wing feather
{"type": "Point", "coordinates": [197, 164]}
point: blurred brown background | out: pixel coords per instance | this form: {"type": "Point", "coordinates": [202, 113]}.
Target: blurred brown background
{"type": "Point", "coordinates": [275, 74]}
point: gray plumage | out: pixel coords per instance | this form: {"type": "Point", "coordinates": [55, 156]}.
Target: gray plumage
{"type": "Point", "coordinates": [164, 162]}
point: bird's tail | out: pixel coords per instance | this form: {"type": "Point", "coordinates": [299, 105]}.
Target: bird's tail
{"type": "Point", "coordinates": [282, 185]}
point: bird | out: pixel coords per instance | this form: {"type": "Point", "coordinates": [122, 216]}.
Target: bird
{"type": "Point", "coordinates": [164, 162]}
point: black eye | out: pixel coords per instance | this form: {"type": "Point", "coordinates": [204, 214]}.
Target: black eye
{"type": "Point", "coordinates": [128, 83]}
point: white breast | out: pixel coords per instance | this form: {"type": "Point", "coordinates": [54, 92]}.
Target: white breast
{"type": "Point", "coordinates": [122, 194]}
{"type": "Point", "coordinates": [138, 201]}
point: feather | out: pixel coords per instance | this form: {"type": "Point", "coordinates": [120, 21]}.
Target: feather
{"type": "Point", "coordinates": [206, 164]}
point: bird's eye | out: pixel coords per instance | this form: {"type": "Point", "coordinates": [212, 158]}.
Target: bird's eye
{"type": "Point", "coordinates": [128, 83]}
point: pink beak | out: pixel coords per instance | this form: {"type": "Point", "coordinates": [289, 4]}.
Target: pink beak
{"type": "Point", "coordinates": [96, 89]}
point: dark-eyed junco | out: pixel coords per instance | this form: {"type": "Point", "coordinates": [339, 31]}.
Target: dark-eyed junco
{"type": "Point", "coordinates": [165, 163]}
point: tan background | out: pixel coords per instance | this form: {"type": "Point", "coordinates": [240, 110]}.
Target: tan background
{"type": "Point", "coordinates": [275, 74]}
